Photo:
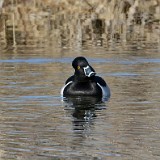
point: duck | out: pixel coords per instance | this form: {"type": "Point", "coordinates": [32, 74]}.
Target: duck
{"type": "Point", "coordinates": [84, 82]}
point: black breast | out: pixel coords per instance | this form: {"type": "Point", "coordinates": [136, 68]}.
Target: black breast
{"type": "Point", "coordinates": [83, 89]}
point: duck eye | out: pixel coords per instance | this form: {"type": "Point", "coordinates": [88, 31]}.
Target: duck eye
{"type": "Point", "coordinates": [78, 67]}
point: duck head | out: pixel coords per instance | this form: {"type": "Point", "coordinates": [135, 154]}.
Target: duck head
{"type": "Point", "coordinates": [82, 68]}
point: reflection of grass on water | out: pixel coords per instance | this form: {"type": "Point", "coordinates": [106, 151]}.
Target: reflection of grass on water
{"type": "Point", "coordinates": [69, 23]}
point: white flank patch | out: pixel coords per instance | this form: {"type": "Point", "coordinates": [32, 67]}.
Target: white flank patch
{"type": "Point", "coordinates": [62, 90]}
{"type": "Point", "coordinates": [105, 90]}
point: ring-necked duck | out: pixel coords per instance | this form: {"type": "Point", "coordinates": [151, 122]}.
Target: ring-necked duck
{"type": "Point", "coordinates": [84, 82]}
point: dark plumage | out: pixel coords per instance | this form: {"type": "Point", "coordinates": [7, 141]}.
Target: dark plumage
{"type": "Point", "coordinates": [84, 82]}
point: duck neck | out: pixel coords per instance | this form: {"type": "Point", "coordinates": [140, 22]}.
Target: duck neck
{"type": "Point", "coordinates": [82, 78]}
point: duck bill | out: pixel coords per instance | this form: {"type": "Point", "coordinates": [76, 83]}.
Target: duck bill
{"type": "Point", "coordinates": [89, 72]}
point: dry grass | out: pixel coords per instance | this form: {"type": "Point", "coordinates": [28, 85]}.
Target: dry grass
{"type": "Point", "coordinates": [70, 23]}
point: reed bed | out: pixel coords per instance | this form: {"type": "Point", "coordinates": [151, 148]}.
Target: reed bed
{"type": "Point", "coordinates": [70, 23]}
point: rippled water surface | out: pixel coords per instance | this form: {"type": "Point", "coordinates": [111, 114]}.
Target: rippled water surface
{"type": "Point", "coordinates": [36, 124]}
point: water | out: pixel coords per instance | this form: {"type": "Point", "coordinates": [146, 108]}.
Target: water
{"type": "Point", "coordinates": [39, 40]}
{"type": "Point", "coordinates": [36, 124]}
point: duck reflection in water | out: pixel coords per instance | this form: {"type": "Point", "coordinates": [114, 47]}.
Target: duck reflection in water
{"type": "Point", "coordinates": [83, 111]}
